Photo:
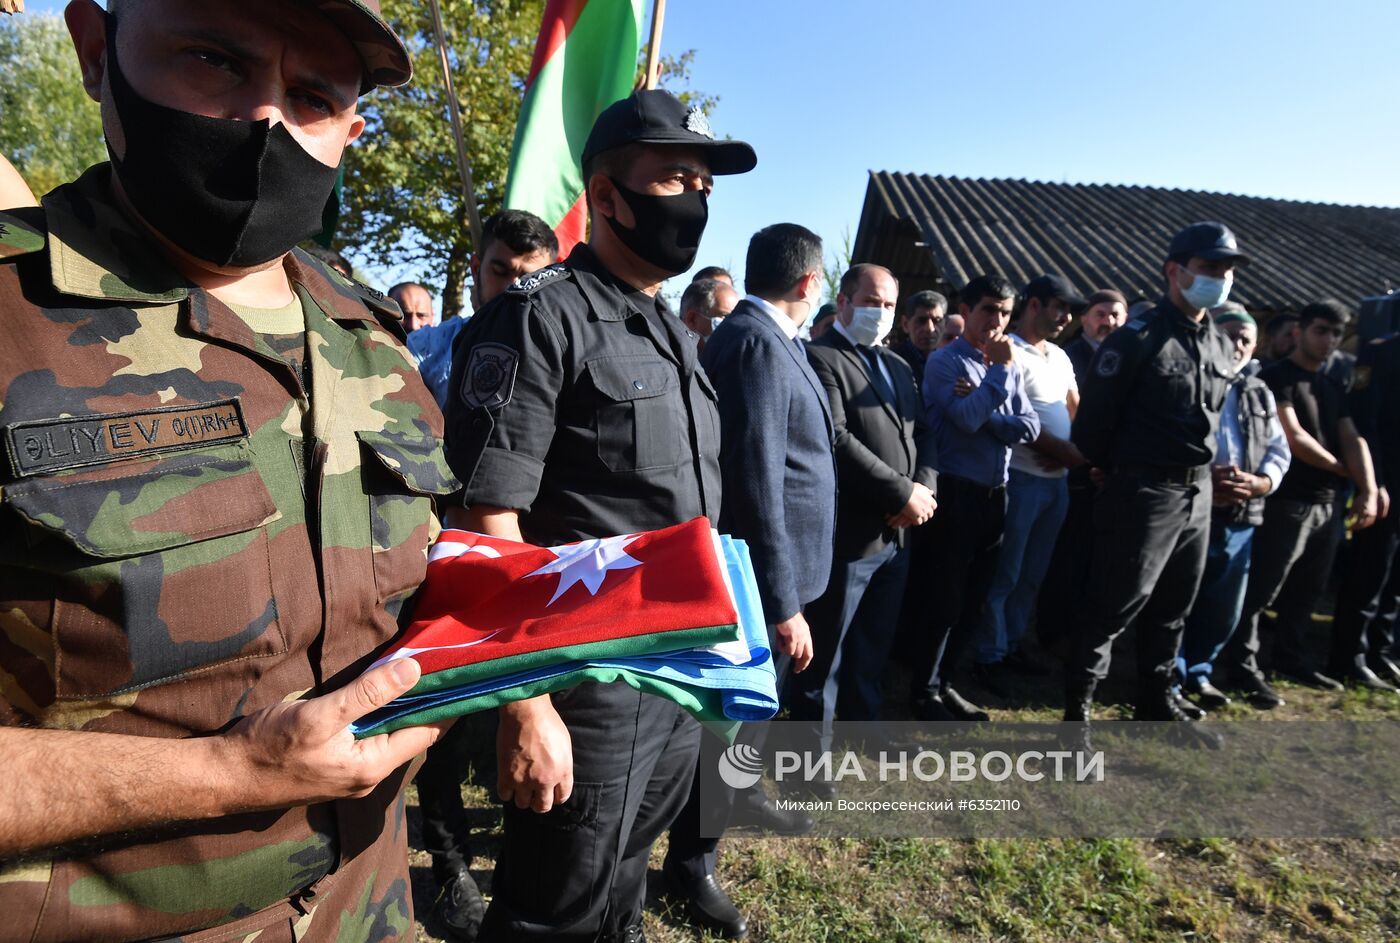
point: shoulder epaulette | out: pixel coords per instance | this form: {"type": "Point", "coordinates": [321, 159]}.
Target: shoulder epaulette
{"type": "Point", "coordinates": [22, 232]}
{"type": "Point", "coordinates": [376, 299]}
{"type": "Point", "coordinates": [535, 280]}
{"type": "Point", "coordinates": [1136, 324]}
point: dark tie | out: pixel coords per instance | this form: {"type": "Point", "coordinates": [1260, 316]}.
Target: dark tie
{"type": "Point", "coordinates": [872, 357]}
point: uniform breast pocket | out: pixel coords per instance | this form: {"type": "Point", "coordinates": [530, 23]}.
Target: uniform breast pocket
{"type": "Point", "coordinates": [405, 471]}
{"type": "Point", "coordinates": [155, 571]}
{"type": "Point", "coordinates": [639, 420]}
{"type": "Point", "coordinates": [1178, 380]}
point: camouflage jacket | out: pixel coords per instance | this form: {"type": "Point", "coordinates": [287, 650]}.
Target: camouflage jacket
{"type": "Point", "coordinates": [172, 558]}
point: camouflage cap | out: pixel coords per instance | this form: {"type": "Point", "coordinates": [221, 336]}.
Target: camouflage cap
{"type": "Point", "coordinates": [382, 51]}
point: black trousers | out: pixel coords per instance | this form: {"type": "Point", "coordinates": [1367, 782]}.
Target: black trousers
{"type": "Point", "coordinates": [1368, 597]}
{"type": "Point", "coordinates": [470, 741]}
{"type": "Point", "coordinates": [578, 872]}
{"type": "Point", "coordinates": [965, 539]}
{"type": "Point", "coordinates": [692, 846]}
{"type": "Point", "coordinates": [1288, 570]}
{"type": "Point", "coordinates": [1060, 607]}
{"type": "Point", "coordinates": [1150, 541]}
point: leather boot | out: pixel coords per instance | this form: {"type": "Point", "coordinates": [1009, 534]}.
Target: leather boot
{"type": "Point", "coordinates": [1157, 701]}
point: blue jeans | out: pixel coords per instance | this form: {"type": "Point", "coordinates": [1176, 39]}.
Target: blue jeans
{"type": "Point", "coordinates": [1035, 509]}
{"type": "Point", "coordinates": [1219, 601]}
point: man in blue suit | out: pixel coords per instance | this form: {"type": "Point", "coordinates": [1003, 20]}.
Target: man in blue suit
{"type": "Point", "coordinates": [779, 476]}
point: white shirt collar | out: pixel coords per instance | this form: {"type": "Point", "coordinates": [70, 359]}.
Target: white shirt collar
{"type": "Point", "coordinates": [785, 323]}
{"type": "Point", "coordinates": [840, 328]}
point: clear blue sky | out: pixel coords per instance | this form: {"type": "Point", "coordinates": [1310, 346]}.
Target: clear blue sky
{"type": "Point", "coordinates": [1283, 99]}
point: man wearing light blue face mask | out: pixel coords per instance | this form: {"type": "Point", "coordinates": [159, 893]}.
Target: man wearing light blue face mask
{"type": "Point", "coordinates": [1148, 415]}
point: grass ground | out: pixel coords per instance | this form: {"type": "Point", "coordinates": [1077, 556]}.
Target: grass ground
{"type": "Point", "coordinates": [1040, 891]}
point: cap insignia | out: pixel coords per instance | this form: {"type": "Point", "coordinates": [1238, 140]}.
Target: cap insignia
{"type": "Point", "coordinates": [697, 123]}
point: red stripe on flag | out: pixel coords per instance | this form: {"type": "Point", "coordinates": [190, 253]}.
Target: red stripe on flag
{"type": "Point", "coordinates": [558, 21]}
{"type": "Point", "coordinates": [572, 229]}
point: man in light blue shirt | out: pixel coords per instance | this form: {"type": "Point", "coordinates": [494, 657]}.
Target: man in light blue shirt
{"type": "Point", "coordinates": [977, 405]}
{"type": "Point", "coordinates": [514, 243]}
{"type": "Point", "coordinates": [1251, 457]}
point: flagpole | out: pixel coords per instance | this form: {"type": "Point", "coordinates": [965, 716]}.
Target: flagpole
{"type": "Point", "coordinates": [464, 168]}
{"type": "Point", "coordinates": [658, 15]}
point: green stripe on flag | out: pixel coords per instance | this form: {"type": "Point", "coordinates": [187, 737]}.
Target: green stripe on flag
{"type": "Point", "coordinates": [608, 649]}
{"type": "Point", "coordinates": [594, 67]}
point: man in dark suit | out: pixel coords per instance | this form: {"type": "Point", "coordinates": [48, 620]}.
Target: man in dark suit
{"type": "Point", "coordinates": [884, 465]}
{"type": "Point", "coordinates": [779, 480]}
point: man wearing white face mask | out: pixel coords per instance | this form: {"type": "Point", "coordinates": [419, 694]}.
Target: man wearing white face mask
{"type": "Point", "coordinates": [1148, 414]}
{"type": "Point", "coordinates": [885, 472]}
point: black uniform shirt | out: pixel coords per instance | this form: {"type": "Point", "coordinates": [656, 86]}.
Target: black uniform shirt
{"type": "Point", "coordinates": [1153, 392]}
{"type": "Point", "coordinates": [578, 401]}
{"type": "Point", "coordinates": [1320, 405]}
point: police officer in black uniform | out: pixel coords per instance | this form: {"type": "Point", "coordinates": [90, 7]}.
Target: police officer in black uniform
{"type": "Point", "coordinates": [1147, 418]}
{"type": "Point", "coordinates": [580, 412]}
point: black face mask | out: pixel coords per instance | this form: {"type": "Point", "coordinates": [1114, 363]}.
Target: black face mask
{"type": "Point", "coordinates": [234, 193]}
{"type": "Point", "coordinates": [668, 228]}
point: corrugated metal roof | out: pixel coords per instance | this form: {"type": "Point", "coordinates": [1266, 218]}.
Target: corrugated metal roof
{"type": "Point", "coordinates": [934, 230]}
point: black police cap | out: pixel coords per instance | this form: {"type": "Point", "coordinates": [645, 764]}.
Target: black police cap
{"type": "Point", "coordinates": [1206, 241]}
{"type": "Point", "coordinates": [1048, 286]}
{"type": "Point", "coordinates": [653, 116]}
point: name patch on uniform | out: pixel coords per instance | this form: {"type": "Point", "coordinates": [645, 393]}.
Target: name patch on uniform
{"type": "Point", "coordinates": [48, 445]}
{"type": "Point", "coordinates": [489, 378]}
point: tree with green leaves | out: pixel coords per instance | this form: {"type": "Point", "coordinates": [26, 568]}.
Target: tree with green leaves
{"type": "Point", "coordinates": [403, 202]}
{"type": "Point", "coordinates": [49, 128]}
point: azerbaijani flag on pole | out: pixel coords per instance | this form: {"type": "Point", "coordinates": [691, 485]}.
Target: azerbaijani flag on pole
{"type": "Point", "coordinates": [585, 59]}
{"type": "Point", "coordinates": [673, 612]}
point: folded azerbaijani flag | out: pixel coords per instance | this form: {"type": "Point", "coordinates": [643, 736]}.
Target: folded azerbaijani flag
{"type": "Point", "coordinates": [672, 612]}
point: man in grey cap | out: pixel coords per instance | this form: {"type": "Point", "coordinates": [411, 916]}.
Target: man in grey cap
{"type": "Point", "coordinates": [579, 411]}
{"type": "Point", "coordinates": [174, 722]}
{"type": "Point", "coordinates": [1148, 413]}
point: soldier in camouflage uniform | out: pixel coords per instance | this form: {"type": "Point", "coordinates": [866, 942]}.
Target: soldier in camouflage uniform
{"type": "Point", "coordinates": [217, 490]}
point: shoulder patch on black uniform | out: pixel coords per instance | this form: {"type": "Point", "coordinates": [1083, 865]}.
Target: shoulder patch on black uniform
{"type": "Point", "coordinates": [21, 232]}
{"type": "Point", "coordinates": [1109, 363]}
{"type": "Point", "coordinates": [489, 378]}
{"type": "Point", "coordinates": [532, 281]}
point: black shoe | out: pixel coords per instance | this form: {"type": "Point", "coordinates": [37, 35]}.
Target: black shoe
{"type": "Point", "coordinates": [707, 906]}
{"type": "Point", "coordinates": [1309, 678]}
{"type": "Point", "coordinates": [460, 908]}
{"type": "Point", "coordinates": [1386, 668]}
{"type": "Point", "coordinates": [801, 789]}
{"type": "Point", "coordinates": [1258, 693]}
{"type": "Point", "coordinates": [930, 709]}
{"type": "Point", "coordinates": [1079, 701]}
{"type": "Point", "coordinates": [995, 679]}
{"type": "Point", "coordinates": [1160, 704]}
{"type": "Point", "coordinates": [1023, 663]}
{"type": "Point", "coordinates": [1209, 696]}
{"type": "Point", "coordinates": [767, 817]}
{"type": "Point", "coordinates": [1363, 677]}
{"type": "Point", "coordinates": [633, 934]}
{"type": "Point", "coordinates": [960, 707]}
{"type": "Point", "coordinates": [1189, 710]}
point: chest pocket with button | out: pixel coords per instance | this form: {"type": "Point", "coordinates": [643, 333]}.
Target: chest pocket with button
{"type": "Point", "coordinates": [1177, 379]}
{"type": "Point", "coordinates": [638, 420]}
{"type": "Point", "coordinates": [408, 470]}
{"type": "Point", "coordinates": [153, 571]}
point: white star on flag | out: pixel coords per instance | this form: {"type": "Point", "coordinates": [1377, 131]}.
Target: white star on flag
{"type": "Point", "coordinates": [587, 562]}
